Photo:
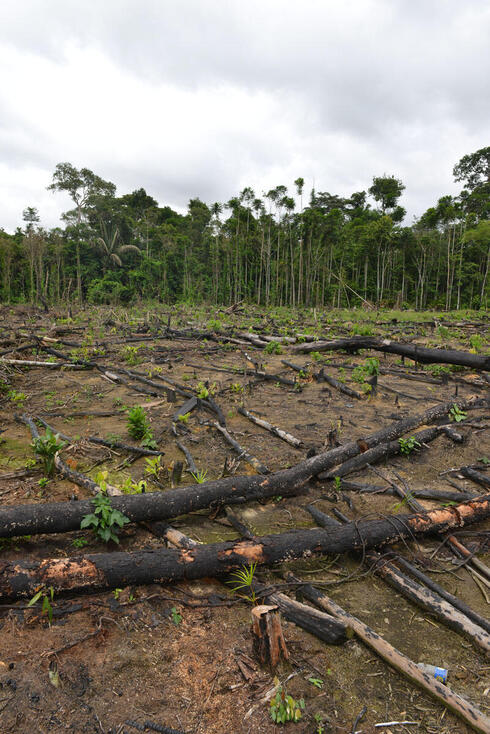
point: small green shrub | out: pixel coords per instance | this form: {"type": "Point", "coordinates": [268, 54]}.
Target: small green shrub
{"type": "Point", "coordinates": [130, 355]}
{"type": "Point", "coordinates": [176, 617]}
{"type": "Point", "coordinates": [105, 521]}
{"type": "Point", "coordinates": [200, 476]}
{"type": "Point", "coordinates": [407, 445]}
{"type": "Point", "coordinates": [476, 342]}
{"type": "Point", "coordinates": [284, 708]}
{"type": "Point", "coordinates": [138, 426]}
{"type": "Point", "coordinates": [456, 414]}
{"type": "Point", "coordinates": [273, 348]}
{"type": "Point", "coordinates": [16, 397]}
{"type": "Point", "coordinates": [46, 448]}
{"type": "Point", "coordinates": [153, 466]}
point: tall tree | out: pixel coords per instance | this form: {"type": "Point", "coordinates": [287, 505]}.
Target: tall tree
{"type": "Point", "coordinates": [83, 186]}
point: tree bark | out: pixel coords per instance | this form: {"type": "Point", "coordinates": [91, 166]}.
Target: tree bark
{"type": "Point", "coordinates": [413, 351]}
{"type": "Point", "coordinates": [110, 570]}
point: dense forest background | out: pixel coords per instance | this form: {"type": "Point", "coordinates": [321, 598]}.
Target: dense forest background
{"type": "Point", "coordinates": [286, 248]}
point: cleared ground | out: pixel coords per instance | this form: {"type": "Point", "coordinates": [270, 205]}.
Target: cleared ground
{"type": "Point", "coordinates": [171, 654]}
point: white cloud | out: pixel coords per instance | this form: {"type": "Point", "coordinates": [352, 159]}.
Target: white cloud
{"type": "Point", "coordinates": [201, 98]}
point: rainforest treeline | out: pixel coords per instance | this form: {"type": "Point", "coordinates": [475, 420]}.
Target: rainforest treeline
{"type": "Point", "coordinates": [286, 247]}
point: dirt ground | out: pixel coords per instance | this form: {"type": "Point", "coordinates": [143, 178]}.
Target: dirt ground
{"type": "Point", "coordinates": [181, 656]}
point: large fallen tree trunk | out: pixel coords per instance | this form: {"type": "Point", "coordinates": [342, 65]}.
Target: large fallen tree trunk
{"type": "Point", "coordinates": [111, 570]}
{"type": "Point", "coordinates": [65, 516]}
{"type": "Point", "coordinates": [413, 351]}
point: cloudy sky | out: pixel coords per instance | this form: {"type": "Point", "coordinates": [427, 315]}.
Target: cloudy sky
{"type": "Point", "coordinates": [203, 97]}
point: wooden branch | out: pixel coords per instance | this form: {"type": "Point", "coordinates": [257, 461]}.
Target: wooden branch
{"type": "Point", "coordinates": [243, 453]}
{"type": "Point", "coordinates": [322, 377]}
{"type": "Point", "coordinates": [430, 600]}
{"type": "Point", "coordinates": [191, 464]}
{"type": "Point", "coordinates": [272, 429]}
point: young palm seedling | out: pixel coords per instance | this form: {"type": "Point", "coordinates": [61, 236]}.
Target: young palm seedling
{"type": "Point", "coordinates": [244, 578]}
{"type": "Point", "coordinates": [200, 476]}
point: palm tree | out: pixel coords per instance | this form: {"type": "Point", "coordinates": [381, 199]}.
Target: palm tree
{"type": "Point", "coordinates": [107, 244]}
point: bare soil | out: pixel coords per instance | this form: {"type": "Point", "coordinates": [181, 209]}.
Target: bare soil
{"type": "Point", "coordinates": [176, 655]}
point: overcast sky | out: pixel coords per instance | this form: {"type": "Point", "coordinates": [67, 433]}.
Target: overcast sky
{"type": "Point", "coordinates": [201, 98]}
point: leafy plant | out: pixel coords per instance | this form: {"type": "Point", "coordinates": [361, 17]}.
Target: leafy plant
{"type": "Point", "coordinates": [284, 708]}
{"type": "Point", "coordinates": [273, 348]}
{"type": "Point", "coordinates": [476, 342]}
{"type": "Point", "coordinates": [456, 414]}
{"type": "Point", "coordinates": [200, 476]}
{"type": "Point", "coordinates": [16, 397]}
{"type": "Point", "coordinates": [183, 418]}
{"type": "Point", "coordinates": [130, 487]}
{"type": "Point", "coordinates": [130, 355]}
{"type": "Point", "coordinates": [43, 482]}
{"type": "Point", "coordinates": [176, 617]}
{"type": "Point", "coordinates": [317, 682]}
{"type": "Point", "coordinates": [79, 542]}
{"type": "Point", "coordinates": [153, 466]}
{"type": "Point", "coordinates": [47, 596]}
{"type": "Point", "coordinates": [105, 521]}
{"type": "Point", "coordinates": [202, 391]}
{"type": "Point", "coordinates": [138, 426]}
{"type": "Point", "coordinates": [337, 483]}
{"type": "Point", "coordinates": [244, 577]}
{"type": "Point", "coordinates": [407, 445]}
{"type": "Point", "coordinates": [236, 387]}
{"type": "Point", "coordinates": [46, 448]}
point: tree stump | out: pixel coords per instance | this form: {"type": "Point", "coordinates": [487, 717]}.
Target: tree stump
{"type": "Point", "coordinates": [268, 640]}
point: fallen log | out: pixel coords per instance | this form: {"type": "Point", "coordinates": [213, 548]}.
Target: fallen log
{"type": "Point", "coordinates": [439, 495]}
{"type": "Point", "coordinates": [441, 591]}
{"type": "Point", "coordinates": [456, 703]}
{"type": "Point", "coordinates": [50, 365]}
{"type": "Point", "coordinates": [63, 517]}
{"type": "Point", "coordinates": [60, 517]}
{"type": "Point", "coordinates": [325, 627]}
{"type": "Point", "coordinates": [89, 573]}
{"type": "Point", "coordinates": [284, 435]}
{"type": "Point", "coordinates": [439, 607]}
{"type": "Point", "coordinates": [413, 351]}
{"type": "Point", "coordinates": [475, 476]}
{"type": "Point", "coordinates": [322, 377]}
{"type": "Point", "coordinates": [243, 453]}
{"type": "Point", "coordinates": [381, 451]}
